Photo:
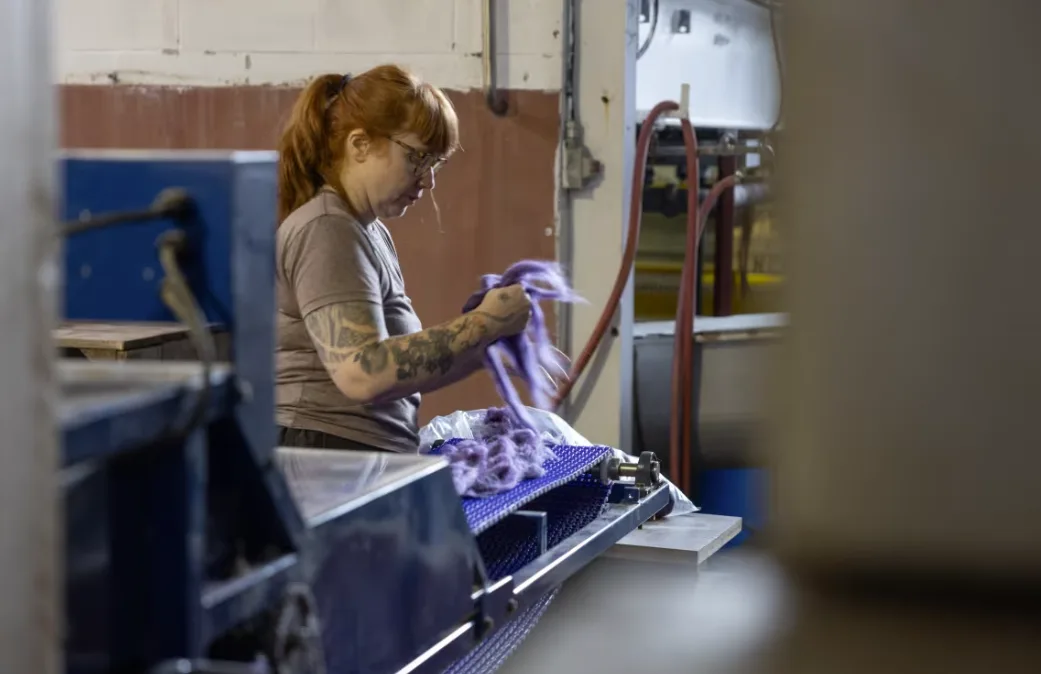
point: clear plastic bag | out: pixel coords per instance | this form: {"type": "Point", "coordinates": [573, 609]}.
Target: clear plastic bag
{"type": "Point", "coordinates": [467, 424]}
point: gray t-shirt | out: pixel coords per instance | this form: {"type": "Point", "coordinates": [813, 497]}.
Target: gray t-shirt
{"type": "Point", "coordinates": [325, 256]}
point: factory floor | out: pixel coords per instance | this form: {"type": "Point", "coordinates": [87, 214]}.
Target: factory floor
{"type": "Point", "coordinates": [657, 618]}
{"type": "Point", "coordinates": [735, 615]}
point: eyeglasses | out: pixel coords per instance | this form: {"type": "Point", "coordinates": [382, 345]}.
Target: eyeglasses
{"type": "Point", "coordinates": [421, 161]}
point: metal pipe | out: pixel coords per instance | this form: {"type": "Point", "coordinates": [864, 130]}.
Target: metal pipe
{"type": "Point", "coordinates": [496, 101]}
{"type": "Point", "coordinates": [670, 200]}
{"type": "Point", "coordinates": [565, 219]}
{"type": "Point", "coordinates": [708, 150]}
{"type": "Point", "coordinates": [723, 287]}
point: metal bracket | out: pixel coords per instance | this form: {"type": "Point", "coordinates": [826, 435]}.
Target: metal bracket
{"type": "Point", "coordinates": [540, 522]}
{"type": "Point", "coordinates": [681, 22]}
{"type": "Point", "coordinates": [645, 473]}
{"type": "Point", "coordinates": [580, 167]}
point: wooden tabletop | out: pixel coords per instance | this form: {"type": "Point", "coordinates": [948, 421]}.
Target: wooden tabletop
{"type": "Point", "coordinates": [117, 336]}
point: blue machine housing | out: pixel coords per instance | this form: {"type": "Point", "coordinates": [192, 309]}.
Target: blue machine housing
{"type": "Point", "coordinates": [195, 544]}
{"type": "Point", "coordinates": [114, 273]}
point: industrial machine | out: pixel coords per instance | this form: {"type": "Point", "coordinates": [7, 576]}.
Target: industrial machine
{"type": "Point", "coordinates": [719, 62]}
{"type": "Point", "coordinates": [727, 53]}
{"type": "Point", "coordinates": [194, 544]}
{"type": "Point", "coordinates": [739, 255]}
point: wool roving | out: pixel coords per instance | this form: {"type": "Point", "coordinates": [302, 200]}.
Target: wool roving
{"type": "Point", "coordinates": [530, 354]}
{"type": "Point", "coordinates": [504, 456]}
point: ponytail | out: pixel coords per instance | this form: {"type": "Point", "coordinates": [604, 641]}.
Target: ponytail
{"type": "Point", "coordinates": [382, 101]}
{"type": "Point", "coordinates": [304, 148]}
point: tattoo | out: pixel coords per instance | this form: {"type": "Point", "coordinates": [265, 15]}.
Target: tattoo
{"type": "Point", "coordinates": [338, 330]}
{"type": "Point", "coordinates": [373, 358]}
{"type": "Point", "coordinates": [431, 352]}
{"type": "Point", "coordinates": [428, 352]}
{"type": "Point", "coordinates": [348, 331]}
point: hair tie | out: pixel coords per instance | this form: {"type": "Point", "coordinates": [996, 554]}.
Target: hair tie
{"type": "Point", "coordinates": [344, 81]}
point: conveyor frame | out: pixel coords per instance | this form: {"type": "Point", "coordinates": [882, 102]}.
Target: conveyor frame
{"type": "Point", "coordinates": [187, 546]}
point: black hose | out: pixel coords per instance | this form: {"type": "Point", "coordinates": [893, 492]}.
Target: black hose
{"type": "Point", "coordinates": [172, 203]}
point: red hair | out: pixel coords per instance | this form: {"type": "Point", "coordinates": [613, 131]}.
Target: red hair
{"type": "Point", "coordinates": [382, 102]}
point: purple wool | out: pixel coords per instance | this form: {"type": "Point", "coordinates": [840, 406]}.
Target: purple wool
{"type": "Point", "coordinates": [530, 354]}
{"type": "Point", "coordinates": [510, 448]}
{"type": "Point", "coordinates": [502, 458]}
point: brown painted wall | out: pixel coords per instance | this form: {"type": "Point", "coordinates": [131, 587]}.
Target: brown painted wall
{"type": "Point", "coordinates": [496, 197]}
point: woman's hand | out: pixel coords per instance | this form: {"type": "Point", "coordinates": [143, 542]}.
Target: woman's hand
{"type": "Point", "coordinates": [510, 306]}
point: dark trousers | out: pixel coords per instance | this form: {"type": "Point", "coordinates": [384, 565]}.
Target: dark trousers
{"type": "Point", "coordinates": [299, 437]}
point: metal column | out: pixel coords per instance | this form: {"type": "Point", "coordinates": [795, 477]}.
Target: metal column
{"type": "Point", "coordinates": [30, 616]}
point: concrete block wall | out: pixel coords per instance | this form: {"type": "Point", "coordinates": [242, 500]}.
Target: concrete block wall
{"type": "Point", "coordinates": [279, 42]}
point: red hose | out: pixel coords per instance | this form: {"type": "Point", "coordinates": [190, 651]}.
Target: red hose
{"type": "Point", "coordinates": [629, 258]}
{"type": "Point", "coordinates": [682, 367]}
{"type": "Point", "coordinates": [683, 341]}
{"type": "Point", "coordinates": [682, 354]}
{"type": "Point", "coordinates": [643, 143]}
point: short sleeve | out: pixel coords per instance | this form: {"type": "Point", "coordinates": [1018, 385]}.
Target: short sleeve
{"type": "Point", "coordinates": [330, 260]}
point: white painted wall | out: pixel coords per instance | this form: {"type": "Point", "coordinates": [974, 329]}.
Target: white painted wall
{"type": "Point", "coordinates": [606, 104]}
{"type": "Point", "coordinates": [222, 42]}
{"type": "Point", "coordinates": [727, 58]}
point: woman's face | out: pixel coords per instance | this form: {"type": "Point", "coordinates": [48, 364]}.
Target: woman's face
{"type": "Point", "coordinates": [394, 175]}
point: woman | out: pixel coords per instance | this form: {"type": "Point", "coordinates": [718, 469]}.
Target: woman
{"type": "Point", "coordinates": [352, 357]}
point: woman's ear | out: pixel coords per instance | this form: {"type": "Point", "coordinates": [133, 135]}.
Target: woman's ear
{"type": "Point", "coordinates": [359, 145]}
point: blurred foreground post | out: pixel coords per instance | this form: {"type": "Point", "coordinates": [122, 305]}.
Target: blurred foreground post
{"type": "Point", "coordinates": [30, 585]}
{"type": "Point", "coordinates": [910, 460]}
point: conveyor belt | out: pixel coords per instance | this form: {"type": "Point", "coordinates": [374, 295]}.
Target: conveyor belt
{"type": "Point", "coordinates": [327, 485]}
{"type": "Point", "coordinates": [557, 506]}
{"type": "Point", "coordinates": [482, 513]}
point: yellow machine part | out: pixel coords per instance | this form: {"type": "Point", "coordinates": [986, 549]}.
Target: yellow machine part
{"type": "Point", "coordinates": [657, 290]}
{"type": "Point", "coordinates": [659, 264]}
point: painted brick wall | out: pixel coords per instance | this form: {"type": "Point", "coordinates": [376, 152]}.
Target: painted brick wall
{"type": "Point", "coordinates": [235, 42]}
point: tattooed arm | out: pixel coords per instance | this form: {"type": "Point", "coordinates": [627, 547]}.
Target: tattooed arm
{"type": "Point", "coordinates": [369, 366]}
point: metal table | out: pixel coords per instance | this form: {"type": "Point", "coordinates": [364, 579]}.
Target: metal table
{"type": "Point", "coordinates": [642, 590]}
